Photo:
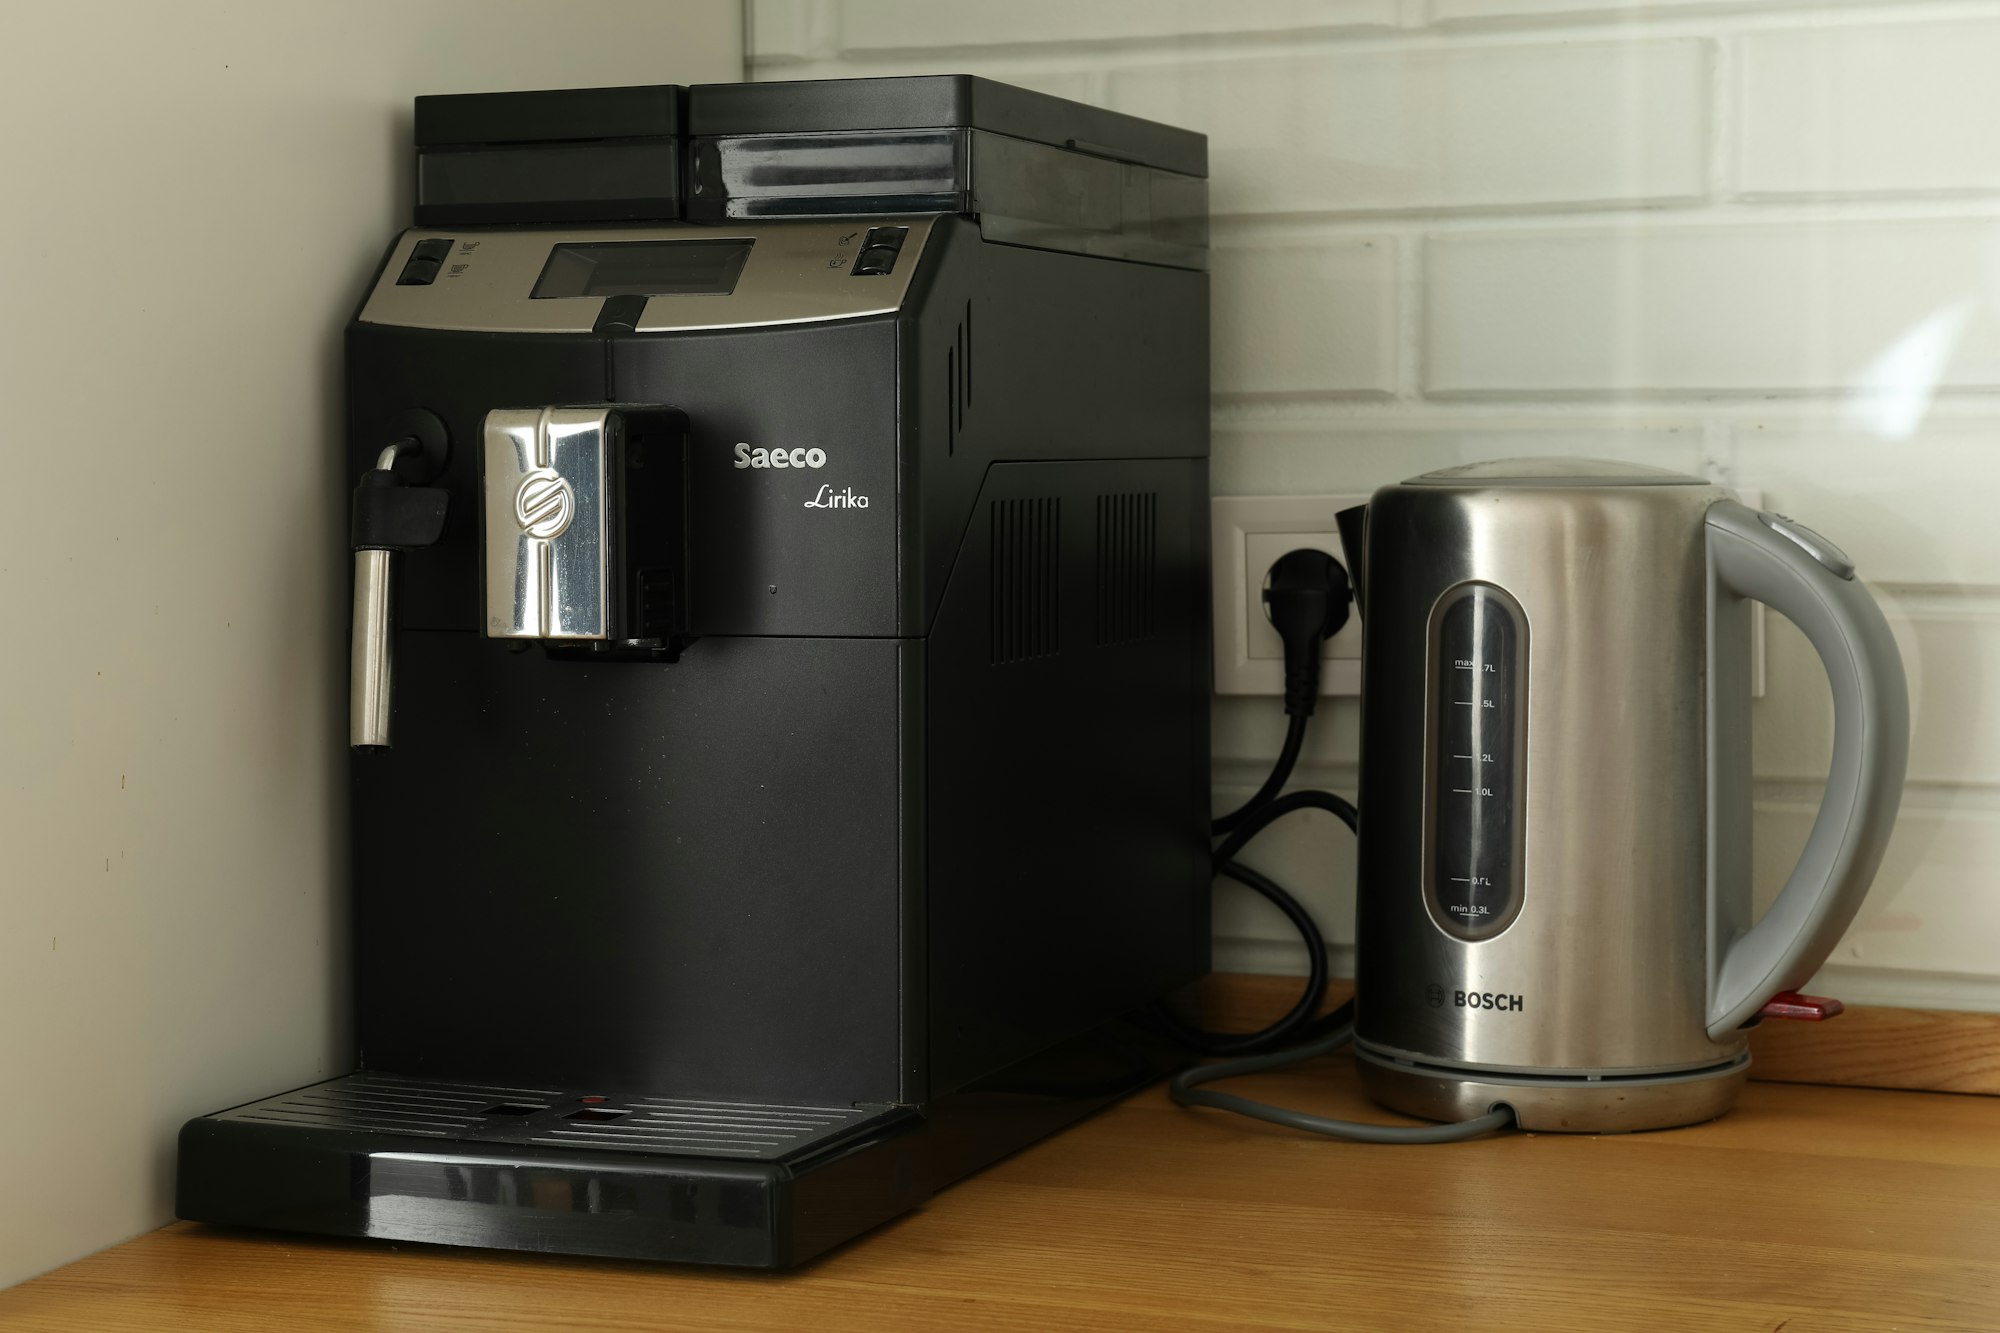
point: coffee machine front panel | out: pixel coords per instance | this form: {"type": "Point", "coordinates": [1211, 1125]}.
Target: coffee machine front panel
{"type": "Point", "coordinates": [655, 279]}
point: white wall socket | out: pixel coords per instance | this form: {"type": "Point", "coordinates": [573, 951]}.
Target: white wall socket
{"type": "Point", "coordinates": [1249, 532]}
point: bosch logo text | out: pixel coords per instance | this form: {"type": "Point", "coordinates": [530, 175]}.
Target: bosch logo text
{"type": "Point", "coordinates": [1486, 999]}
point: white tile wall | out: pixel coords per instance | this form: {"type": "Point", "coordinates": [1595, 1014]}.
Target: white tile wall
{"type": "Point", "coordinates": [1920, 509]}
{"type": "Point", "coordinates": [779, 30]}
{"type": "Point", "coordinates": [1954, 733]}
{"type": "Point", "coordinates": [1754, 239]}
{"type": "Point", "coordinates": [1324, 458]}
{"type": "Point", "coordinates": [899, 25]}
{"type": "Point", "coordinates": [1313, 317]}
{"type": "Point", "coordinates": [1864, 110]}
{"type": "Point", "coordinates": [1939, 868]}
{"type": "Point", "coordinates": [1538, 126]}
{"type": "Point", "coordinates": [1515, 11]}
{"type": "Point", "coordinates": [1877, 308]}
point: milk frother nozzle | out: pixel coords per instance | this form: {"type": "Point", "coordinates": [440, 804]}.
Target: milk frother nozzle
{"type": "Point", "coordinates": [389, 515]}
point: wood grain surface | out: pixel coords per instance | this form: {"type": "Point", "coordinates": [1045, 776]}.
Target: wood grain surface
{"type": "Point", "coordinates": [1931, 1050]}
{"type": "Point", "coordinates": [1808, 1209]}
{"type": "Point", "coordinates": [1937, 1050]}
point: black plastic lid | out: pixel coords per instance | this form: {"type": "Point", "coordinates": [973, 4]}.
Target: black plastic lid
{"type": "Point", "coordinates": [957, 101]}
{"type": "Point", "coordinates": [551, 116]}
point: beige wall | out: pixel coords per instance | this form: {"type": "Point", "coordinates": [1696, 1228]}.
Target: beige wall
{"type": "Point", "coordinates": [193, 197]}
{"type": "Point", "coordinates": [1753, 239]}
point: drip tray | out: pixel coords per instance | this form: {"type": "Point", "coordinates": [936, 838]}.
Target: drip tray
{"type": "Point", "coordinates": [562, 1117]}
{"type": "Point", "coordinates": [641, 1175]}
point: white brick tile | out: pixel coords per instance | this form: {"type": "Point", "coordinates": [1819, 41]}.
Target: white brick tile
{"type": "Point", "coordinates": [1924, 509]}
{"type": "Point", "coordinates": [1886, 311]}
{"type": "Point", "coordinates": [1315, 459]}
{"type": "Point", "coordinates": [1306, 318]}
{"type": "Point", "coordinates": [1481, 127]}
{"type": "Point", "coordinates": [892, 25]}
{"type": "Point", "coordinates": [1506, 11]}
{"type": "Point", "coordinates": [1949, 657]}
{"type": "Point", "coordinates": [1930, 909]}
{"type": "Point", "coordinates": [779, 30]}
{"type": "Point", "coordinates": [1857, 110]}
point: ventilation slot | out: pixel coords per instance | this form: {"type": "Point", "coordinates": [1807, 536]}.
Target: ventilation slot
{"type": "Point", "coordinates": [958, 382]}
{"type": "Point", "coordinates": [1026, 540]}
{"type": "Point", "coordinates": [1126, 579]}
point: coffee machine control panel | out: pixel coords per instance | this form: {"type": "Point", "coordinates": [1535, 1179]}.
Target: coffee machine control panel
{"type": "Point", "coordinates": [652, 279]}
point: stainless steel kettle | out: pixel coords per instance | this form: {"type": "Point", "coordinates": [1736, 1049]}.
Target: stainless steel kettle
{"type": "Point", "coordinates": [1554, 907]}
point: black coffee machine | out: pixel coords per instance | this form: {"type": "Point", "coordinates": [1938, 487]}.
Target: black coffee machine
{"type": "Point", "coordinates": [780, 666]}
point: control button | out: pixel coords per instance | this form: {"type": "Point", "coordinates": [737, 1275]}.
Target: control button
{"type": "Point", "coordinates": [1819, 548]}
{"type": "Point", "coordinates": [875, 262]}
{"type": "Point", "coordinates": [425, 260]}
{"type": "Point", "coordinates": [418, 273]}
{"type": "Point", "coordinates": [878, 252]}
{"type": "Point", "coordinates": [620, 314]}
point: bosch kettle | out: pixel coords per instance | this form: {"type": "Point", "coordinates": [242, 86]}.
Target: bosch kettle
{"type": "Point", "coordinates": [1554, 908]}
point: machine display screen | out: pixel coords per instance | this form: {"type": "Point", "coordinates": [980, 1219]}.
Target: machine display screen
{"type": "Point", "coordinates": [644, 268]}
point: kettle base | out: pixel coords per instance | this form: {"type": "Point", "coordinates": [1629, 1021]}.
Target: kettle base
{"type": "Point", "coordinates": [1555, 1104]}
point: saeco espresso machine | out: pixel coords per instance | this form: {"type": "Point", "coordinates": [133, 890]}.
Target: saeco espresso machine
{"type": "Point", "coordinates": [780, 700]}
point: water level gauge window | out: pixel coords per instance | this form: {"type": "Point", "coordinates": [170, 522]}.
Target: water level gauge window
{"type": "Point", "coordinates": [1478, 738]}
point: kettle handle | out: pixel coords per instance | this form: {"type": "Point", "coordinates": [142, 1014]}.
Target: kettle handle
{"type": "Point", "coordinates": [1804, 577]}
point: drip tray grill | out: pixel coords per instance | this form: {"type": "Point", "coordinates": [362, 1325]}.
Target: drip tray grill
{"type": "Point", "coordinates": [560, 1118]}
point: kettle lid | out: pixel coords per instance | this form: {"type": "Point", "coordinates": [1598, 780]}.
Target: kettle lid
{"type": "Point", "coordinates": [1554, 472]}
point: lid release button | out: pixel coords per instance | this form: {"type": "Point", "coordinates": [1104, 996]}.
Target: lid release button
{"type": "Point", "coordinates": [1811, 1008]}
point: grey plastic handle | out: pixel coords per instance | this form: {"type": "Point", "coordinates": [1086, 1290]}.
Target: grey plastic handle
{"type": "Point", "coordinates": [1807, 581]}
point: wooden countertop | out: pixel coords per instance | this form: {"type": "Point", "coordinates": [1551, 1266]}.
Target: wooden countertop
{"type": "Point", "coordinates": [1807, 1208]}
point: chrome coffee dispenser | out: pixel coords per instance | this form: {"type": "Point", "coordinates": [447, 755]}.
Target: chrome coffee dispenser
{"type": "Point", "coordinates": [779, 666]}
{"type": "Point", "coordinates": [1554, 911]}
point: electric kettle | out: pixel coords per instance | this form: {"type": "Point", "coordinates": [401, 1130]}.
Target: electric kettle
{"type": "Point", "coordinates": [1554, 907]}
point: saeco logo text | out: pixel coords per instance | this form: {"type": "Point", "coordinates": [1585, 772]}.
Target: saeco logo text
{"type": "Point", "coordinates": [748, 457]}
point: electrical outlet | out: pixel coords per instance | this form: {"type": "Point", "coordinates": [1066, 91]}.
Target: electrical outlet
{"type": "Point", "coordinates": [1249, 532]}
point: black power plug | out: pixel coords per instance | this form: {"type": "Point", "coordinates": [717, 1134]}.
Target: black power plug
{"type": "Point", "coordinates": [1307, 597]}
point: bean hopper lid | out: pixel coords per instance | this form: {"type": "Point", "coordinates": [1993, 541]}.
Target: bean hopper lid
{"type": "Point", "coordinates": [1031, 169]}
{"type": "Point", "coordinates": [557, 155]}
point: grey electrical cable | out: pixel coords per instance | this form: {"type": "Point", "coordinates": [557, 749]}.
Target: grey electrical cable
{"type": "Point", "coordinates": [1183, 1091]}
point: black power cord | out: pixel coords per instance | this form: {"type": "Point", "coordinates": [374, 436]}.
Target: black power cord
{"type": "Point", "coordinates": [1307, 596]}
{"type": "Point", "coordinates": [1183, 1089]}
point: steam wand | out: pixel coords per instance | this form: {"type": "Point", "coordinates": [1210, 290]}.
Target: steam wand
{"type": "Point", "coordinates": [389, 516]}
